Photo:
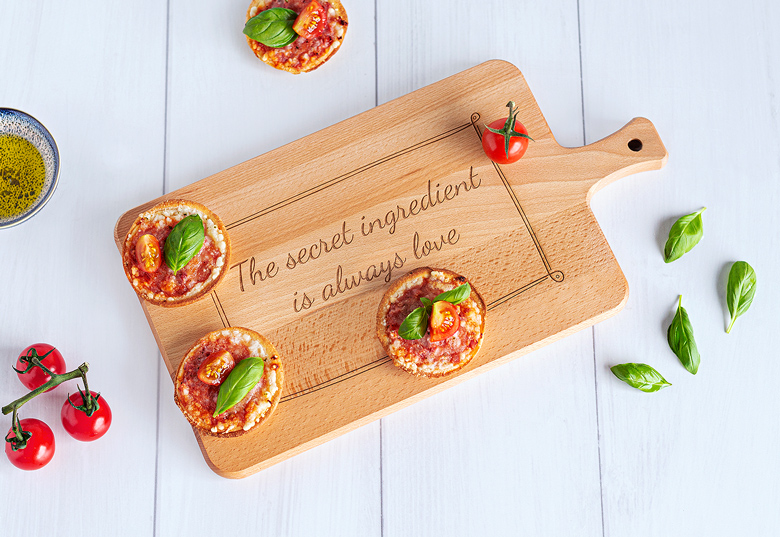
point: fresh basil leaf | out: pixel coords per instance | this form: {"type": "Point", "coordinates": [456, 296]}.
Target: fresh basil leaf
{"type": "Point", "coordinates": [272, 27]}
{"type": "Point", "coordinates": [740, 290]}
{"type": "Point", "coordinates": [684, 235]}
{"type": "Point", "coordinates": [680, 338]}
{"type": "Point", "coordinates": [244, 376]}
{"type": "Point", "coordinates": [415, 324]}
{"type": "Point", "coordinates": [640, 376]}
{"type": "Point", "coordinates": [426, 302]}
{"type": "Point", "coordinates": [184, 242]}
{"type": "Point", "coordinates": [455, 296]}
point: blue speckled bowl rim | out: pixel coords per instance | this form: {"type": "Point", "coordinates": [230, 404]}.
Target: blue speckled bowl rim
{"type": "Point", "coordinates": [50, 139]}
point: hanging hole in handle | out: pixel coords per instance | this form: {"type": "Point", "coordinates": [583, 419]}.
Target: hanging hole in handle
{"type": "Point", "coordinates": [635, 145]}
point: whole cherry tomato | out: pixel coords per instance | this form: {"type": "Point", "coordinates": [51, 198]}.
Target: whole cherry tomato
{"type": "Point", "coordinates": [147, 253]}
{"type": "Point", "coordinates": [78, 424]}
{"type": "Point", "coordinates": [444, 320]}
{"type": "Point", "coordinates": [506, 140]}
{"type": "Point", "coordinates": [39, 449]}
{"type": "Point", "coordinates": [35, 377]}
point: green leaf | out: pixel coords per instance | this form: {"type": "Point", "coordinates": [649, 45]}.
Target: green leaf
{"type": "Point", "coordinates": [184, 242]}
{"type": "Point", "coordinates": [684, 235]}
{"type": "Point", "coordinates": [272, 27]}
{"type": "Point", "coordinates": [415, 324]}
{"type": "Point", "coordinates": [640, 376]}
{"type": "Point", "coordinates": [426, 302]}
{"type": "Point", "coordinates": [455, 296]}
{"type": "Point", "coordinates": [740, 290]}
{"type": "Point", "coordinates": [680, 338]}
{"type": "Point", "coordinates": [244, 376]}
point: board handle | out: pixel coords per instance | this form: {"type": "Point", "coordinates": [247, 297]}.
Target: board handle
{"type": "Point", "coordinates": [634, 148]}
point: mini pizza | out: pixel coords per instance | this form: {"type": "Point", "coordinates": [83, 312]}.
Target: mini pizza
{"type": "Point", "coordinates": [229, 382]}
{"type": "Point", "coordinates": [431, 322]}
{"type": "Point", "coordinates": [175, 253]}
{"type": "Point", "coordinates": [295, 35]}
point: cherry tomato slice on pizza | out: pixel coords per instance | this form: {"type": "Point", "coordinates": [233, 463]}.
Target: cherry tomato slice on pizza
{"type": "Point", "coordinates": [39, 449]}
{"type": "Point", "coordinates": [506, 140]}
{"type": "Point", "coordinates": [311, 20]}
{"type": "Point", "coordinates": [444, 320]}
{"type": "Point", "coordinates": [35, 377]}
{"type": "Point", "coordinates": [148, 253]}
{"type": "Point", "coordinates": [216, 368]}
{"type": "Point", "coordinates": [79, 425]}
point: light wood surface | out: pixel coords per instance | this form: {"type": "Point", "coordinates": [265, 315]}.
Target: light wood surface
{"type": "Point", "coordinates": [143, 98]}
{"type": "Point", "coordinates": [320, 227]}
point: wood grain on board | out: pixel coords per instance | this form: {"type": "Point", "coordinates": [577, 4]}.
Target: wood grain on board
{"type": "Point", "coordinates": [321, 225]}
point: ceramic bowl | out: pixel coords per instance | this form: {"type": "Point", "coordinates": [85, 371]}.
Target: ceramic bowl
{"type": "Point", "coordinates": [17, 123]}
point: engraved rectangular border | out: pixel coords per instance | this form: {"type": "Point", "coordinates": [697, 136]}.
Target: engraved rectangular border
{"type": "Point", "coordinates": [554, 275]}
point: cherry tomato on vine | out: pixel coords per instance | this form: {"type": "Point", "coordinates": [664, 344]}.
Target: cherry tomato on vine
{"type": "Point", "coordinates": [35, 377]}
{"type": "Point", "coordinates": [444, 320]}
{"type": "Point", "coordinates": [148, 253]}
{"type": "Point", "coordinates": [39, 449]}
{"type": "Point", "coordinates": [506, 140]}
{"type": "Point", "coordinates": [79, 425]}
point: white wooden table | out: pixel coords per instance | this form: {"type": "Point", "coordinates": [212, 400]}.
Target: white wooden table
{"type": "Point", "coordinates": [145, 97]}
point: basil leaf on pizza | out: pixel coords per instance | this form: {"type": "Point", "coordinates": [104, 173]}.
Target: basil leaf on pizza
{"type": "Point", "coordinates": [272, 27]}
{"type": "Point", "coordinates": [415, 324]}
{"type": "Point", "coordinates": [244, 376]}
{"type": "Point", "coordinates": [455, 296]}
{"type": "Point", "coordinates": [184, 242]}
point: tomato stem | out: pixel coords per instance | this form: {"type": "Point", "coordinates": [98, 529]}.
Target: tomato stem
{"type": "Point", "coordinates": [508, 130]}
{"type": "Point", "coordinates": [19, 439]}
{"type": "Point", "coordinates": [56, 380]}
{"type": "Point", "coordinates": [32, 359]}
{"type": "Point", "coordinates": [86, 398]}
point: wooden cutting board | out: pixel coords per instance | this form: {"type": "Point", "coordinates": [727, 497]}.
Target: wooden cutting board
{"type": "Point", "coordinates": [320, 226]}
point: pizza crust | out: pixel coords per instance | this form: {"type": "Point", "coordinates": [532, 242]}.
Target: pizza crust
{"type": "Point", "coordinates": [197, 401]}
{"type": "Point", "coordinates": [406, 355]}
{"type": "Point", "coordinates": [299, 57]}
{"type": "Point", "coordinates": [173, 211]}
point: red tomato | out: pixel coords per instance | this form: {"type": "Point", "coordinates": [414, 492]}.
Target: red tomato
{"type": "Point", "coordinates": [444, 320]}
{"type": "Point", "coordinates": [147, 252]}
{"type": "Point", "coordinates": [39, 449]}
{"type": "Point", "coordinates": [83, 427]}
{"type": "Point", "coordinates": [310, 21]}
{"type": "Point", "coordinates": [35, 377]}
{"type": "Point", "coordinates": [495, 144]}
{"type": "Point", "coordinates": [214, 370]}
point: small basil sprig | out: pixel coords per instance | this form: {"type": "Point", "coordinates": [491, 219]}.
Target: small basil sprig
{"type": "Point", "coordinates": [184, 242]}
{"type": "Point", "coordinates": [684, 235]}
{"type": "Point", "coordinates": [680, 338]}
{"type": "Point", "coordinates": [272, 27]}
{"type": "Point", "coordinates": [640, 376]}
{"type": "Point", "coordinates": [740, 290]}
{"type": "Point", "coordinates": [244, 376]}
{"type": "Point", "coordinates": [416, 323]}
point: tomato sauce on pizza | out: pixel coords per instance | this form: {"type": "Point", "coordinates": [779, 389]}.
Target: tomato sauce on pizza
{"type": "Point", "coordinates": [306, 53]}
{"type": "Point", "coordinates": [423, 356]}
{"type": "Point", "coordinates": [160, 285]}
{"type": "Point", "coordinates": [198, 399]}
